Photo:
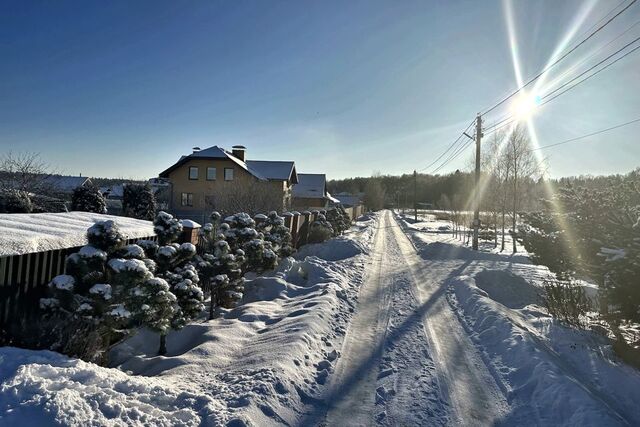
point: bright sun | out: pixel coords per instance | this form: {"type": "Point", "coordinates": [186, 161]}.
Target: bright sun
{"type": "Point", "coordinates": [524, 106]}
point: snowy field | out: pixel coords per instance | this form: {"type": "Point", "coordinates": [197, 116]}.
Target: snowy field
{"type": "Point", "coordinates": [395, 323]}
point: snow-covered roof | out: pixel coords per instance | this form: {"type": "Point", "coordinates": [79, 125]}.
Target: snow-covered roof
{"type": "Point", "coordinates": [348, 199]}
{"type": "Point", "coordinates": [276, 170]}
{"type": "Point", "coordinates": [189, 223]}
{"type": "Point", "coordinates": [113, 191]}
{"type": "Point", "coordinates": [66, 183]}
{"type": "Point", "coordinates": [332, 199]}
{"type": "Point", "coordinates": [310, 185]}
{"type": "Point", "coordinates": [27, 233]}
{"type": "Point", "coordinates": [261, 169]}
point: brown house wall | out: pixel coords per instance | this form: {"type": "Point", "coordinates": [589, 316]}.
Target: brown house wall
{"type": "Point", "coordinates": [204, 190]}
{"type": "Point", "coordinates": [304, 203]}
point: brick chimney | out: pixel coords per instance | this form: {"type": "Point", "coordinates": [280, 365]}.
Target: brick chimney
{"type": "Point", "coordinates": [239, 151]}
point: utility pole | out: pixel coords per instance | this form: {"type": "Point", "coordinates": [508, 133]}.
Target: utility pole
{"type": "Point", "coordinates": [415, 195]}
{"type": "Point", "coordinates": [476, 207]}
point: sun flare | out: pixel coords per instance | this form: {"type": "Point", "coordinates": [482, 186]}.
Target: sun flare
{"type": "Point", "coordinates": [525, 105]}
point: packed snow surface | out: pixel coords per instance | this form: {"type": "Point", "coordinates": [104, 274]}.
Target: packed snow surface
{"type": "Point", "coordinates": [391, 324]}
{"type": "Point", "coordinates": [26, 233]}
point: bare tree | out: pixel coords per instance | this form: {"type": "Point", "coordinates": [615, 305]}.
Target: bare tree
{"type": "Point", "coordinates": [252, 197]}
{"type": "Point", "coordinates": [374, 194]}
{"type": "Point", "coordinates": [523, 167]}
{"type": "Point", "coordinates": [24, 172]}
{"type": "Point", "coordinates": [500, 168]}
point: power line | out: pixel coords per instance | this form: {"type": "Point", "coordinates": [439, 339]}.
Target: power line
{"type": "Point", "coordinates": [453, 156]}
{"type": "Point", "coordinates": [548, 67]}
{"type": "Point", "coordinates": [586, 136]}
{"type": "Point", "coordinates": [449, 148]}
{"type": "Point", "coordinates": [591, 75]}
{"type": "Point", "coordinates": [510, 119]}
{"type": "Point", "coordinates": [595, 52]}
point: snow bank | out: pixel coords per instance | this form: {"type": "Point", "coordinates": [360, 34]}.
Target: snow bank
{"type": "Point", "coordinates": [266, 360]}
{"type": "Point", "coordinates": [45, 388]}
{"type": "Point", "coordinates": [262, 363]}
{"type": "Point", "coordinates": [26, 233]}
{"type": "Point", "coordinates": [541, 364]}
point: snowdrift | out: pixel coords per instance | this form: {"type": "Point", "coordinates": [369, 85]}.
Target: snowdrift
{"type": "Point", "coordinates": [539, 363]}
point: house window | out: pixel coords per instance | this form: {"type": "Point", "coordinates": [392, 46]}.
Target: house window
{"type": "Point", "coordinates": [228, 174]}
{"type": "Point", "coordinates": [211, 174]}
{"type": "Point", "coordinates": [193, 172]}
{"type": "Point", "coordinates": [187, 199]}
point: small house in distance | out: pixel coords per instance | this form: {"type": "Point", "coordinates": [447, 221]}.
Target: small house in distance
{"type": "Point", "coordinates": [226, 181]}
{"type": "Point", "coordinates": [311, 192]}
{"type": "Point", "coordinates": [348, 199]}
{"type": "Point", "coordinates": [65, 184]}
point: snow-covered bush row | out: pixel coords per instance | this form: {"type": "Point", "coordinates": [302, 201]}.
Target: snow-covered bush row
{"type": "Point", "coordinates": [237, 245]}
{"type": "Point", "coordinates": [110, 288]}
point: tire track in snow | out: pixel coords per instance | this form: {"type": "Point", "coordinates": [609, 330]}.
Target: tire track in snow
{"type": "Point", "coordinates": [474, 396]}
{"type": "Point", "coordinates": [386, 375]}
{"type": "Point", "coordinates": [351, 397]}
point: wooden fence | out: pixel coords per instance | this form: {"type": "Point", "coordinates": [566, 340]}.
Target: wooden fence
{"type": "Point", "coordinates": [24, 279]}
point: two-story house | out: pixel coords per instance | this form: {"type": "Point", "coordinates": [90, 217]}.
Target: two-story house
{"type": "Point", "coordinates": [226, 181]}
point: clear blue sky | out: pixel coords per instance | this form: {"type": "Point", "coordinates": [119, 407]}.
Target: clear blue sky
{"type": "Point", "coordinates": [121, 89]}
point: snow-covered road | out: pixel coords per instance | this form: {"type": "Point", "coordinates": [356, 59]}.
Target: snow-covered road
{"type": "Point", "coordinates": [406, 358]}
{"type": "Point", "coordinates": [413, 356]}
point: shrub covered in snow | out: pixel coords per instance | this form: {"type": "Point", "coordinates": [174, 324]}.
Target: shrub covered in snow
{"type": "Point", "coordinates": [240, 233]}
{"type": "Point", "coordinates": [88, 198]}
{"type": "Point", "coordinates": [15, 201]}
{"type": "Point", "coordinates": [320, 230]}
{"type": "Point", "coordinates": [176, 265]}
{"type": "Point", "coordinates": [111, 287]}
{"type": "Point", "coordinates": [223, 269]}
{"type": "Point", "coordinates": [154, 306]}
{"type": "Point", "coordinates": [93, 297]}
{"type": "Point", "coordinates": [166, 227]}
{"type": "Point", "coordinates": [339, 220]}
{"type": "Point", "coordinates": [139, 202]}
{"type": "Point", "coordinates": [276, 233]}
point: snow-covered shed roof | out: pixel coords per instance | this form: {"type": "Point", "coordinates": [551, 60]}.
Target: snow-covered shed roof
{"type": "Point", "coordinates": [310, 185]}
{"type": "Point", "coordinates": [27, 233]}
{"type": "Point", "coordinates": [66, 183]}
{"type": "Point", "coordinates": [261, 169]}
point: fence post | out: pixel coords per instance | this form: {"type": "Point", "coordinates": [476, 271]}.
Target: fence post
{"type": "Point", "coordinates": [303, 232]}
{"type": "Point", "coordinates": [189, 232]}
